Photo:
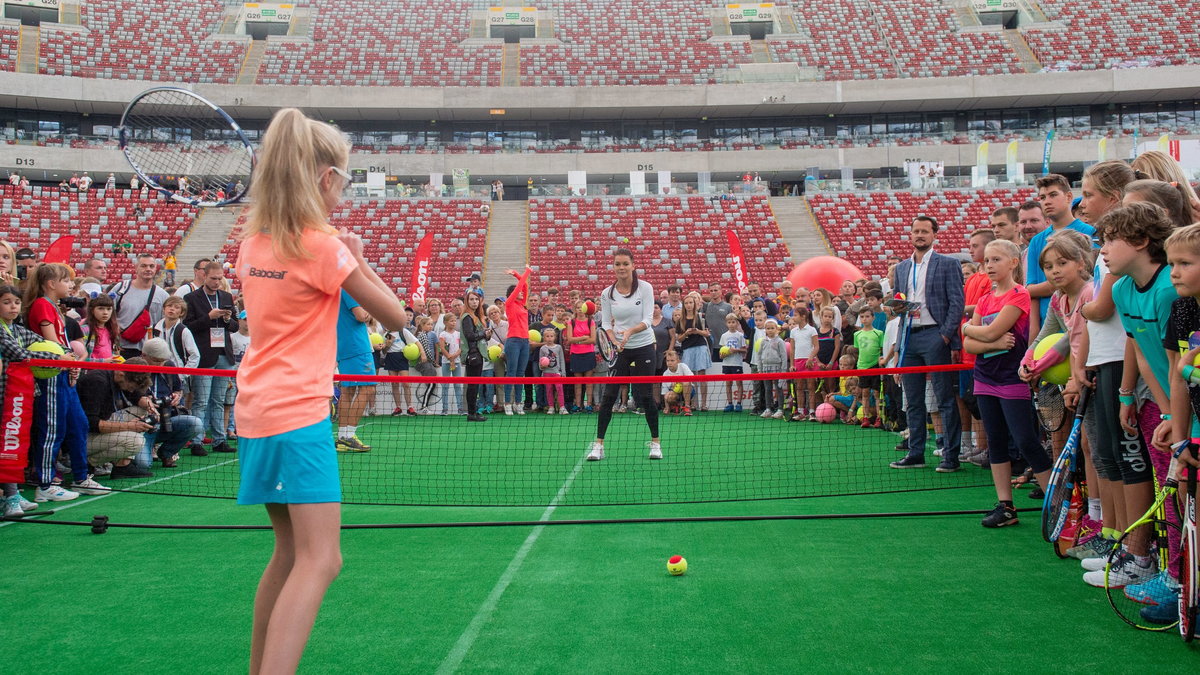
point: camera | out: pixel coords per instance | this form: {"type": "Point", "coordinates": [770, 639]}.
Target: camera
{"type": "Point", "coordinates": [72, 302]}
{"type": "Point", "coordinates": [166, 411]}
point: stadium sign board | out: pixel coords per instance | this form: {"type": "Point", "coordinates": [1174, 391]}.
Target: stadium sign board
{"type": "Point", "coordinates": [763, 11]}
{"type": "Point", "coordinates": [995, 5]}
{"type": "Point", "coordinates": [268, 12]}
{"type": "Point", "coordinates": [42, 4]}
{"type": "Point", "coordinates": [512, 16]}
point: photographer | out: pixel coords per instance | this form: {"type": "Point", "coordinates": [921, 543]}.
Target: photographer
{"type": "Point", "coordinates": [175, 428]}
{"type": "Point", "coordinates": [119, 413]}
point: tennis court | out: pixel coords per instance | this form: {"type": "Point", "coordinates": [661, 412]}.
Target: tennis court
{"type": "Point", "coordinates": [929, 593]}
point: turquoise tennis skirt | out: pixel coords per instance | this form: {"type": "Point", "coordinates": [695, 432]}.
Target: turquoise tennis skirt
{"type": "Point", "coordinates": [296, 467]}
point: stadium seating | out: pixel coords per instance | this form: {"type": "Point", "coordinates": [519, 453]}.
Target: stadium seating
{"type": "Point", "coordinates": [392, 229]}
{"type": "Point", "coordinates": [165, 40]}
{"type": "Point", "coordinates": [867, 228]}
{"type": "Point", "coordinates": [675, 240]}
{"type": "Point", "coordinates": [926, 42]}
{"type": "Point", "coordinates": [623, 42]}
{"type": "Point", "coordinates": [846, 41]}
{"type": "Point", "coordinates": [9, 39]}
{"type": "Point", "coordinates": [98, 219]}
{"type": "Point", "coordinates": [1099, 35]}
{"type": "Point", "coordinates": [384, 44]}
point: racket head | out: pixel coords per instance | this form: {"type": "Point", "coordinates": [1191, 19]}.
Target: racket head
{"type": "Point", "coordinates": [1051, 410]}
{"type": "Point", "coordinates": [169, 132]}
{"type": "Point", "coordinates": [1189, 565]}
{"type": "Point", "coordinates": [1058, 494]}
{"type": "Point", "coordinates": [605, 348]}
{"type": "Point", "coordinates": [1156, 531]}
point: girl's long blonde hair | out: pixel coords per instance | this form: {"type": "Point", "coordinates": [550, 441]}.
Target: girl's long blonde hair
{"type": "Point", "coordinates": [286, 191]}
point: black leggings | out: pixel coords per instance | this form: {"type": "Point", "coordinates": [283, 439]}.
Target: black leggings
{"type": "Point", "coordinates": [473, 389]}
{"type": "Point", "coordinates": [634, 362]}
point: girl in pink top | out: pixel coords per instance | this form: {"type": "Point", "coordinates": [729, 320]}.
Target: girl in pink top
{"type": "Point", "coordinates": [290, 254]}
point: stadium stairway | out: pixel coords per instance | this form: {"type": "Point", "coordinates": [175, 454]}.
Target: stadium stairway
{"type": "Point", "coordinates": [207, 236]}
{"type": "Point", "coordinates": [507, 245]}
{"type": "Point", "coordinates": [254, 56]}
{"type": "Point", "coordinates": [1020, 47]}
{"type": "Point", "coordinates": [27, 50]}
{"type": "Point", "coordinates": [799, 228]}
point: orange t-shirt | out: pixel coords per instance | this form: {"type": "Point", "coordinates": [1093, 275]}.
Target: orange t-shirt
{"type": "Point", "coordinates": [286, 377]}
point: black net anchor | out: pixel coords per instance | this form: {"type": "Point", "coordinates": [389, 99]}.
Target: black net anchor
{"type": "Point", "coordinates": [99, 524]}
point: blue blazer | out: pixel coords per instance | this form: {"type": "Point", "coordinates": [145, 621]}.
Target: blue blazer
{"type": "Point", "coordinates": [943, 293]}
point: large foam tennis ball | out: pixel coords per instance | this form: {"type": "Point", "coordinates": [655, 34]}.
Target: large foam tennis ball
{"type": "Point", "coordinates": [587, 307]}
{"type": "Point", "coordinates": [495, 352]}
{"type": "Point", "coordinates": [411, 352]}
{"type": "Point", "coordinates": [1060, 372]}
{"type": "Point", "coordinates": [725, 352]}
{"type": "Point", "coordinates": [376, 339]}
{"type": "Point", "coordinates": [676, 565]}
{"type": "Point", "coordinates": [679, 389]}
{"type": "Point", "coordinates": [46, 347]}
{"type": "Point", "coordinates": [544, 362]}
{"type": "Point", "coordinates": [824, 272]}
{"type": "Point", "coordinates": [1193, 342]}
{"type": "Point", "coordinates": [535, 335]}
{"type": "Point", "coordinates": [758, 344]}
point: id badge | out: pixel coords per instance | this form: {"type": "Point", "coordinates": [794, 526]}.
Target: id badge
{"type": "Point", "coordinates": [216, 338]}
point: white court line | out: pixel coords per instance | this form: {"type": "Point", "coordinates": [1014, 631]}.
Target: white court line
{"type": "Point", "coordinates": [467, 639]}
{"type": "Point", "coordinates": [80, 502]}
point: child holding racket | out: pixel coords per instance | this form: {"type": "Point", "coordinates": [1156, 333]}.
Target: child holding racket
{"type": "Point", "coordinates": [286, 451]}
{"type": "Point", "coordinates": [999, 333]}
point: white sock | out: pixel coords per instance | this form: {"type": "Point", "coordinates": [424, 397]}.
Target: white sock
{"type": "Point", "coordinates": [1094, 509]}
{"type": "Point", "coordinates": [346, 432]}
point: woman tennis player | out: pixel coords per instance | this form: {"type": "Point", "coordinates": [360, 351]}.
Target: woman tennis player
{"type": "Point", "coordinates": [626, 313]}
{"type": "Point", "coordinates": [291, 254]}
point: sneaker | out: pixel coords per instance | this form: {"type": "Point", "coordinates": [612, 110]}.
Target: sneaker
{"type": "Point", "coordinates": [588, 409]}
{"type": "Point", "coordinates": [54, 493]}
{"type": "Point", "coordinates": [223, 447]}
{"type": "Point", "coordinates": [508, 409]}
{"type": "Point", "coordinates": [130, 470]}
{"type": "Point", "coordinates": [351, 444]}
{"type": "Point", "coordinates": [909, 462]}
{"type": "Point", "coordinates": [563, 411]}
{"type": "Point", "coordinates": [413, 411]}
{"type": "Point", "coordinates": [1085, 531]}
{"type": "Point", "coordinates": [737, 407]}
{"type": "Point", "coordinates": [655, 450]}
{"type": "Point", "coordinates": [396, 412]}
{"type": "Point", "coordinates": [639, 411]}
{"type": "Point", "coordinates": [1125, 571]}
{"type": "Point", "coordinates": [947, 467]}
{"type": "Point", "coordinates": [937, 452]}
{"type": "Point", "coordinates": [197, 450]}
{"type": "Point", "coordinates": [878, 423]}
{"type": "Point", "coordinates": [1098, 555]}
{"type": "Point", "coordinates": [103, 470]}
{"type": "Point", "coordinates": [533, 408]}
{"type": "Point", "coordinates": [766, 414]}
{"type": "Point", "coordinates": [865, 423]}
{"type": "Point", "coordinates": [1037, 493]}
{"type": "Point", "coordinates": [777, 415]}
{"type": "Point", "coordinates": [597, 452]}
{"type": "Point", "coordinates": [799, 418]}
{"type": "Point", "coordinates": [729, 408]}
{"type": "Point", "coordinates": [88, 486]}
{"type": "Point", "coordinates": [519, 409]}
{"type": "Point", "coordinates": [1162, 614]}
{"type": "Point", "coordinates": [1001, 516]}
{"type": "Point", "coordinates": [12, 507]}
{"type": "Point", "coordinates": [620, 408]}
{"type": "Point", "coordinates": [26, 505]}
{"type": "Point", "coordinates": [1162, 589]}
{"type": "Point", "coordinates": [1096, 547]}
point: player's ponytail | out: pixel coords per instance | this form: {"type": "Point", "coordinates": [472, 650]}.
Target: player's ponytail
{"type": "Point", "coordinates": [286, 193]}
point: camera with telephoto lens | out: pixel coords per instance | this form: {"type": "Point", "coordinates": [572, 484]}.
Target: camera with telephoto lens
{"type": "Point", "coordinates": [166, 411]}
{"type": "Point", "coordinates": [72, 302]}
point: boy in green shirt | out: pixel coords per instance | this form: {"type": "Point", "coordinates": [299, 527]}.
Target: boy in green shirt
{"type": "Point", "coordinates": [869, 342]}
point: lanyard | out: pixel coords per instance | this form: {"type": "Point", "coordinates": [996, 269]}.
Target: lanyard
{"type": "Point", "coordinates": [210, 300]}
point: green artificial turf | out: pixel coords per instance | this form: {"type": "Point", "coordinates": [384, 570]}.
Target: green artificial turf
{"type": "Point", "coordinates": [916, 594]}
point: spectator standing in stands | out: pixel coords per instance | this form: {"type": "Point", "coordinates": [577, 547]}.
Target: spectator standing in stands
{"type": "Point", "coordinates": [134, 184]}
{"type": "Point", "coordinates": [111, 183]}
{"type": "Point", "coordinates": [198, 277]}
{"type": "Point", "coordinates": [931, 338]}
{"type": "Point", "coordinates": [1054, 194]}
{"type": "Point", "coordinates": [73, 182]}
{"type": "Point", "coordinates": [139, 305]}
{"type": "Point", "coordinates": [14, 178]}
{"type": "Point", "coordinates": [169, 265]}
{"type": "Point", "coordinates": [85, 182]}
{"type": "Point", "coordinates": [497, 190]}
{"type": "Point", "coordinates": [211, 319]}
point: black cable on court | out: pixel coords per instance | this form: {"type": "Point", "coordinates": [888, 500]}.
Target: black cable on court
{"type": "Point", "coordinates": [100, 524]}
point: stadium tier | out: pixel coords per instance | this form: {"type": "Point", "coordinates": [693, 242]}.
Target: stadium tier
{"type": "Point", "coordinates": [392, 229]}
{"type": "Point", "coordinates": [168, 40]}
{"type": "Point", "coordinates": [676, 240]}
{"type": "Point", "coordinates": [593, 42]}
{"type": "Point", "coordinates": [98, 220]}
{"type": "Point", "coordinates": [867, 228]}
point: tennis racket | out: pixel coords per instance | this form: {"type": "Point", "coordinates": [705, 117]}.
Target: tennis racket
{"type": "Point", "coordinates": [1051, 410]}
{"type": "Point", "coordinates": [605, 348]}
{"type": "Point", "coordinates": [1189, 565]}
{"type": "Point", "coordinates": [186, 147]}
{"type": "Point", "coordinates": [1155, 531]}
{"type": "Point", "coordinates": [1063, 477]}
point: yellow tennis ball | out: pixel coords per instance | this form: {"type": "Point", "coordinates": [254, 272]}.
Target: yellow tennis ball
{"type": "Point", "coordinates": [725, 352]}
{"type": "Point", "coordinates": [679, 389]}
{"type": "Point", "coordinates": [676, 565]}
{"type": "Point", "coordinates": [535, 335]}
{"type": "Point", "coordinates": [758, 344]}
{"type": "Point", "coordinates": [376, 339]}
{"type": "Point", "coordinates": [48, 347]}
{"type": "Point", "coordinates": [495, 352]}
{"type": "Point", "coordinates": [411, 352]}
{"type": "Point", "coordinates": [1060, 372]}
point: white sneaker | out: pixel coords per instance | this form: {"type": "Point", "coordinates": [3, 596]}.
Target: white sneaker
{"type": "Point", "coordinates": [655, 450]}
{"type": "Point", "coordinates": [27, 505]}
{"type": "Point", "coordinates": [88, 487]}
{"type": "Point", "coordinates": [766, 414]}
{"type": "Point", "coordinates": [778, 415]}
{"type": "Point", "coordinates": [508, 409]}
{"type": "Point", "coordinates": [1124, 572]}
{"type": "Point", "coordinates": [54, 493]}
{"type": "Point", "coordinates": [12, 507]}
{"type": "Point", "coordinates": [563, 411]}
{"type": "Point", "coordinates": [620, 408]}
{"type": "Point", "coordinates": [520, 408]}
{"type": "Point", "coordinates": [597, 452]}
{"type": "Point", "coordinates": [1094, 564]}
{"type": "Point", "coordinates": [533, 408]}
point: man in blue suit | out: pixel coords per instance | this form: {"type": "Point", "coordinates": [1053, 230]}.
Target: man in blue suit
{"type": "Point", "coordinates": [930, 338]}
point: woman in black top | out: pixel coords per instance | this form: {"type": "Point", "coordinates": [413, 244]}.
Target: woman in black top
{"type": "Point", "coordinates": [474, 334]}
